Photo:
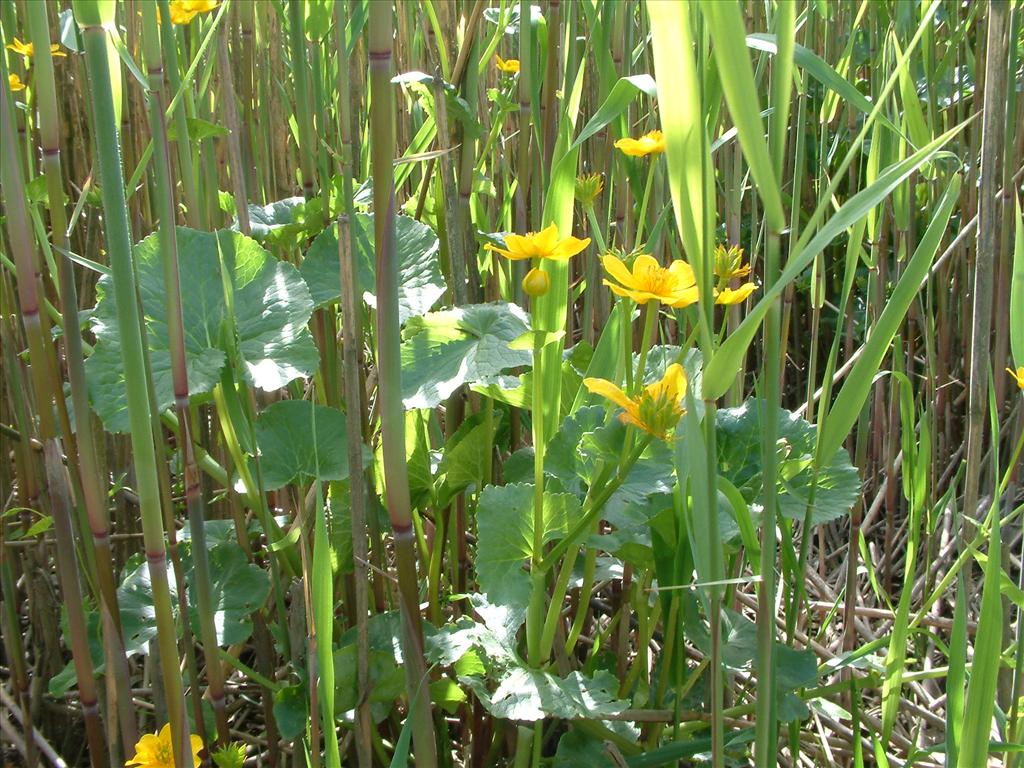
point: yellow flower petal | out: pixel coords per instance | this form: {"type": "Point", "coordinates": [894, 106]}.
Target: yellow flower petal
{"type": "Point", "coordinates": [606, 389]}
{"type": "Point", "coordinates": [643, 266]}
{"type": "Point", "coordinates": [673, 286]}
{"type": "Point", "coordinates": [21, 48]}
{"type": "Point", "coordinates": [15, 83]}
{"type": "Point", "coordinates": [672, 386]}
{"type": "Point", "coordinates": [652, 143]}
{"type": "Point", "coordinates": [183, 11]}
{"type": "Point", "coordinates": [683, 272]}
{"type": "Point", "coordinates": [55, 50]}
{"type": "Point", "coordinates": [568, 248]}
{"type": "Point", "coordinates": [613, 266]}
{"type": "Point", "coordinates": [510, 66]}
{"type": "Point", "coordinates": [1018, 376]}
{"type": "Point", "coordinates": [640, 297]}
{"type": "Point", "coordinates": [656, 409]}
{"type": "Point", "coordinates": [540, 245]}
{"type": "Point", "coordinates": [734, 295]}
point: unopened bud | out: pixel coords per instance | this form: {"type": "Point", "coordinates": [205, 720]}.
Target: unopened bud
{"type": "Point", "coordinates": [536, 282]}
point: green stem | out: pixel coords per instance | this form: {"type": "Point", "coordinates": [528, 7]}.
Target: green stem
{"type": "Point", "coordinates": [119, 247]}
{"type": "Point", "coordinates": [392, 412]}
{"type": "Point", "coordinates": [650, 319]}
{"type": "Point", "coordinates": [538, 587]}
{"type": "Point", "coordinates": [595, 505]}
{"type": "Point", "coordinates": [641, 218]}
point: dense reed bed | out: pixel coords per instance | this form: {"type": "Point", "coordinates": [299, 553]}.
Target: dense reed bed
{"type": "Point", "coordinates": [479, 382]}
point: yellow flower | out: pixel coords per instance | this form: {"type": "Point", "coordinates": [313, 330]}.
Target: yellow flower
{"type": "Point", "coordinates": [652, 143]}
{"type": "Point", "coordinates": [674, 285]}
{"type": "Point", "coordinates": [1018, 376]}
{"type": "Point", "coordinates": [656, 409]}
{"type": "Point", "coordinates": [729, 266]}
{"type": "Point", "coordinates": [183, 11]}
{"type": "Point", "coordinates": [588, 187]}
{"type": "Point", "coordinates": [729, 263]}
{"type": "Point", "coordinates": [15, 83]}
{"type": "Point", "coordinates": [155, 751]}
{"type": "Point", "coordinates": [540, 245]}
{"type": "Point", "coordinates": [734, 295]}
{"type": "Point", "coordinates": [509, 67]}
{"type": "Point", "coordinates": [536, 282]}
{"type": "Point", "coordinates": [28, 50]}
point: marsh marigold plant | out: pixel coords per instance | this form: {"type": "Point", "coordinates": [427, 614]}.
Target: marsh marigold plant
{"type": "Point", "coordinates": [545, 244]}
{"type": "Point", "coordinates": [729, 266]}
{"type": "Point", "coordinates": [651, 143]}
{"type": "Point", "coordinates": [154, 750]}
{"type": "Point", "coordinates": [655, 409]}
{"type": "Point", "coordinates": [28, 50]}
{"type": "Point", "coordinates": [183, 11]}
{"type": "Point", "coordinates": [673, 286]}
{"type": "Point", "coordinates": [508, 66]}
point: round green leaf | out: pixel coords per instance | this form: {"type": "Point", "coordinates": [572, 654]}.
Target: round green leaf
{"type": "Point", "coordinates": [420, 283]}
{"type": "Point", "coordinates": [267, 322]}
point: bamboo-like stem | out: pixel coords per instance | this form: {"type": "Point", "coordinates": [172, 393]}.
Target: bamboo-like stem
{"type": "Point", "coordinates": [186, 170]}
{"type": "Point", "coordinates": [227, 99]}
{"type": "Point", "coordinates": [524, 161]}
{"type": "Point", "coordinates": [355, 401]}
{"type": "Point", "coordinates": [552, 78]}
{"type": "Point", "coordinates": [45, 388]}
{"type": "Point", "coordinates": [392, 415]}
{"type": "Point", "coordinates": [766, 731]}
{"type": "Point", "coordinates": [172, 283]}
{"type": "Point", "coordinates": [89, 469]}
{"type": "Point", "coordinates": [9, 619]}
{"type": "Point", "coordinates": [14, 648]}
{"type": "Point", "coordinates": [118, 239]}
{"type": "Point", "coordinates": [60, 502]}
{"type": "Point", "coordinates": [467, 63]}
{"type": "Point", "coordinates": [993, 129]}
{"type": "Point", "coordinates": [456, 243]}
{"type": "Point", "coordinates": [300, 76]}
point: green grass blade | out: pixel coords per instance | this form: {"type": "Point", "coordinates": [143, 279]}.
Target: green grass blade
{"type": "Point", "coordinates": [850, 400]}
{"type": "Point", "coordinates": [1017, 290]}
{"type": "Point", "coordinates": [721, 370]}
{"type": "Point", "coordinates": [956, 678]}
{"type": "Point", "coordinates": [727, 32]}
{"type": "Point", "coordinates": [981, 690]}
{"type": "Point", "coordinates": [682, 122]}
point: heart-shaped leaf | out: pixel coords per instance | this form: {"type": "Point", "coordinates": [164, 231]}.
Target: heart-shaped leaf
{"type": "Point", "coordinates": [505, 537]}
{"type": "Point", "coordinates": [464, 345]}
{"type": "Point", "coordinates": [837, 483]}
{"type": "Point", "coordinates": [300, 442]}
{"type": "Point", "coordinates": [420, 283]}
{"type": "Point", "coordinates": [267, 320]}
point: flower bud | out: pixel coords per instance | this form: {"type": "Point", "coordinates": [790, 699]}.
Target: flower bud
{"type": "Point", "coordinates": [588, 188]}
{"type": "Point", "coordinates": [536, 282]}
